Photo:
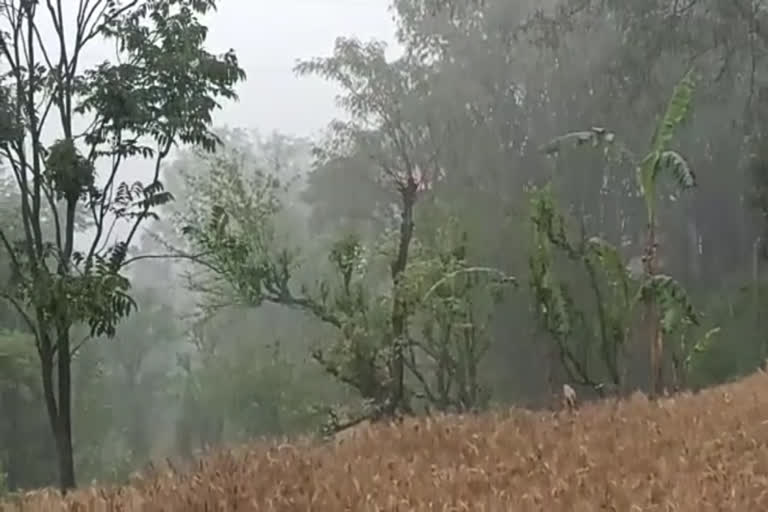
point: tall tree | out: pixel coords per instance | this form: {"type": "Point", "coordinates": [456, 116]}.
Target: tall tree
{"type": "Point", "coordinates": [389, 123]}
{"type": "Point", "coordinates": [161, 90]}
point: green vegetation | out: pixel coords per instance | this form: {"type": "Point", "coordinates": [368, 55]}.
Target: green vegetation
{"type": "Point", "coordinates": [667, 306]}
{"type": "Point", "coordinates": [422, 255]}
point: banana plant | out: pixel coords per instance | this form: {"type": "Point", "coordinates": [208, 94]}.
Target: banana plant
{"type": "Point", "coordinates": [660, 160]}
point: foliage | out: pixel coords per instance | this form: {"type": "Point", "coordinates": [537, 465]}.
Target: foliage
{"type": "Point", "coordinates": [231, 224]}
{"type": "Point", "coordinates": [161, 91]}
{"type": "Point", "coordinates": [615, 293]}
{"type": "Point", "coordinates": [358, 357]}
{"type": "Point", "coordinates": [244, 254]}
{"type": "Point", "coordinates": [656, 290]}
{"type": "Point", "coordinates": [590, 350]}
{"type": "Point", "coordinates": [390, 124]}
{"type": "Point", "coordinates": [739, 346]}
{"type": "Point", "coordinates": [453, 303]}
{"type": "Point", "coordinates": [233, 227]}
{"type": "Point", "coordinates": [237, 393]}
{"type": "Point", "coordinates": [659, 160]}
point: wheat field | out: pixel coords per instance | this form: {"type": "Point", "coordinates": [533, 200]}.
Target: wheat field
{"type": "Point", "coordinates": [693, 453]}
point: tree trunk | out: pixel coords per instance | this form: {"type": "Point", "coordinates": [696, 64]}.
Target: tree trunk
{"type": "Point", "coordinates": [59, 411]}
{"type": "Point", "coordinates": [399, 312]}
{"type": "Point", "coordinates": [66, 456]}
{"type": "Point", "coordinates": [679, 375]}
{"type": "Point", "coordinates": [652, 319]}
{"type": "Point", "coordinates": [64, 359]}
{"type": "Point", "coordinates": [66, 459]}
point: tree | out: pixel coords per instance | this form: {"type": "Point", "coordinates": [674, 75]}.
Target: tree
{"type": "Point", "coordinates": [389, 125]}
{"type": "Point", "coordinates": [161, 91]}
{"type": "Point", "coordinates": [235, 224]}
{"type": "Point", "coordinates": [658, 161]}
{"type": "Point", "coordinates": [264, 349]}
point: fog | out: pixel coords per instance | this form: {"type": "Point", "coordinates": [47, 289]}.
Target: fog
{"type": "Point", "coordinates": [510, 198]}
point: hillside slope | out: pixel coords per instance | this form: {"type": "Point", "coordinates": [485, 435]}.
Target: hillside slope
{"type": "Point", "coordinates": [697, 453]}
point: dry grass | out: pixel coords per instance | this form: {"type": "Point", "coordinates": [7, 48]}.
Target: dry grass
{"type": "Point", "coordinates": [697, 453]}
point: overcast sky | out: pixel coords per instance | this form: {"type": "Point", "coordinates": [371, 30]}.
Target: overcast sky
{"type": "Point", "coordinates": [269, 35]}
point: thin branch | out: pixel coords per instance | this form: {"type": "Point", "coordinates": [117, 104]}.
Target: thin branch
{"type": "Point", "coordinates": [99, 209]}
{"type": "Point", "coordinates": [173, 256]}
{"type": "Point", "coordinates": [9, 249]}
{"type": "Point", "coordinates": [480, 270]}
{"type": "Point", "coordinates": [413, 368]}
{"type": "Point", "coordinates": [341, 427]}
{"type": "Point", "coordinates": [158, 167]}
{"type": "Point", "coordinates": [309, 305]}
{"type": "Point", "coordinates": [107, 236]}
{"type": "Point", "coordinates": [97, 27]}
{"type": "Point", "coordinates": [333, 371]}
{"type": "Point", "coordinates": [55, 213]}
{"type": "Point", "coordinates": [82, 342]}
{"type": "Point", "coordinates": [43, 48]}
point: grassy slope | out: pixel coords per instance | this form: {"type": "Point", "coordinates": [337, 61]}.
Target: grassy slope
{"type": "Point", "coordinates": [704, 452]}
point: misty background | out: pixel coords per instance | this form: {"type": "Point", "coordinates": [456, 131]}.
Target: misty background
{"type": "Point", "coordinates": [222, 350]}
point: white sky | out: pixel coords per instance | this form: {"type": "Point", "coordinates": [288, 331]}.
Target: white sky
{"type": "Point", "coordinates": [269, 36]}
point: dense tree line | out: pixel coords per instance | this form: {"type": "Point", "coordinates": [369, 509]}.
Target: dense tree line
{"type": "Point", "coordinates": [530, 194]}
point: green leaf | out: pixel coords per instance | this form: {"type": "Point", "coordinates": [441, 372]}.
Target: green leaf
{"type": "Point", "coordinates": [595, 137]}
{"type": "Point", "coordinates": [673, 162]}
{"type": "Point", "coordinates": [678, 109]}
{"type": "Point", "coordinates": [672, 298]}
